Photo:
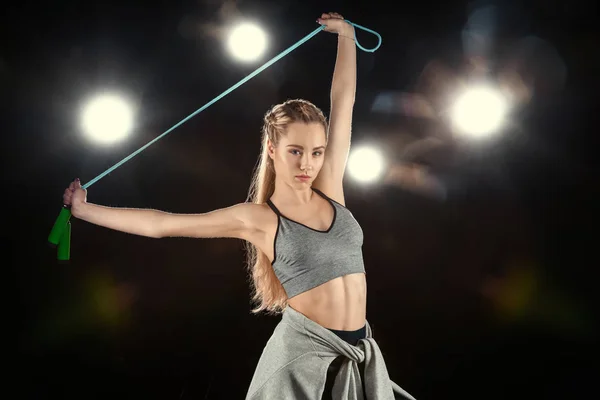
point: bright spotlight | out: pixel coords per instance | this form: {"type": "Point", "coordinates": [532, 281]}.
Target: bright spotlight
{"type": "Point", "coordinates": [479, 111]}
{"type": "Point", "coordinates": [365, 164]}
{"type": "Point", "coordinates": [107, 119]}
{"type": "Point", "coordinates": [247, 42]}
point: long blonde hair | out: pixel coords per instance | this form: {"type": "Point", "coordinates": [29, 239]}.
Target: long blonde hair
{"type": "Point", "coordinates": [267, 291]}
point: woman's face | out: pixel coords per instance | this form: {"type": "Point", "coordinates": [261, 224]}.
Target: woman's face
{"type": "Point", "coordinates": [298, 157]}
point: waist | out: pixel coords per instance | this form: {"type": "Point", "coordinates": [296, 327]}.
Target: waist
{"type": "Point", "coordinates": [339, 304]}
{"type": "Point", "coordinates": [351, 337]}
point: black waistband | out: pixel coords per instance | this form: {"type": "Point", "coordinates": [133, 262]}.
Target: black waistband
{"type": "Point", "coordinates": [351, 337]}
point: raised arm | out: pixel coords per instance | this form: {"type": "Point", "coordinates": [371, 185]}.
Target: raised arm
{"type": "Point", "coordinates": [343, 90]}
{"type": "Point", "coordinates": [232, 222]}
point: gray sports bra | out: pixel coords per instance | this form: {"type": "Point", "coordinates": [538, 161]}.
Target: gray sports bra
{"type": "Point", "coordinates": [305, 258]}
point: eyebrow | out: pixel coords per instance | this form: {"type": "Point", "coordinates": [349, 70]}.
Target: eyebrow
{"type": "Point", "coordinates": [300, 147]}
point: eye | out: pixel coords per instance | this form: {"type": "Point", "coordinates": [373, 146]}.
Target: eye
{"type": "Point", "coordinates": [317, 153]}
{"type": "Point", "coordinates": [295, 151]}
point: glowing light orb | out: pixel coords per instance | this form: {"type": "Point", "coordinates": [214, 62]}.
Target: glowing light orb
{"type": "Point", "coordinates": [247, 42]}
{"type": "Point", "coordinates": [479, 111]}
{"type": "Point", "coordinates": [365, 164]}
{"type": "Point", "coordinates": [107, 119]}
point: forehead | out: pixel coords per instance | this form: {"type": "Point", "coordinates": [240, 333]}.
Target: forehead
{"type": "Point", "coordinates": [312, 134]}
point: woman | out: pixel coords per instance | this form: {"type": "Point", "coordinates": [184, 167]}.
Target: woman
{"type": "Point", "coordinates": [304, 246]}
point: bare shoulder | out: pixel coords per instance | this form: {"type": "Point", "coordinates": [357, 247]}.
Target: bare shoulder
{"type": "Point", "coordinates": [253, 213]}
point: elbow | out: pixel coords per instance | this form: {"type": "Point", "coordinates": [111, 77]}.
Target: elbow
{"type": "Point", "coordinates": [156, 227]}
{"type": "Point", "coordinates": [154, 235]}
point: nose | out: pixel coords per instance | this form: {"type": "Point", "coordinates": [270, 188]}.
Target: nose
{"type": "Point", "coordinates": [306, 163]}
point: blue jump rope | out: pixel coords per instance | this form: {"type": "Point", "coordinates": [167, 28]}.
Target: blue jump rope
{"type": "Point", "coordinates": [60, 235]}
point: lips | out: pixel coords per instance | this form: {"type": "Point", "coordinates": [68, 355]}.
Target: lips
{"type": "Point", "coordinates": [302, 176]}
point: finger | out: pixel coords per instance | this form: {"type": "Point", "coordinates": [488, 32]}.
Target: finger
{"type": "Point", "coordinates": [325, 16]}
{"type": "Point", "coordinates": [72, 186]}
{"type": "Point", "coordinates": [67, 199]}
{"type": "Point", "coordinates": [77, 184]}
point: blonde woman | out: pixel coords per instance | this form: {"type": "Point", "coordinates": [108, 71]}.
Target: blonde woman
{"type": "Point", "coordinates": [304, 247]}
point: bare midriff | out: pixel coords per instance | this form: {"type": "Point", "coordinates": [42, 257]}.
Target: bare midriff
{"type": "Point", "coordinates": [340, 304]}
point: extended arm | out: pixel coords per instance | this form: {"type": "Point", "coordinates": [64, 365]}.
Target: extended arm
{"type": "Point", "coordinates": [231, 222]}
{"type": "Point", "coordinates": [234, 222]}
{"type": "Point", "coordinates": [343, 90]}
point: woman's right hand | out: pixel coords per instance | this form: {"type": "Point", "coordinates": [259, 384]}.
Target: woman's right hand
{"type": "Point", "coordinates": [74, 196]}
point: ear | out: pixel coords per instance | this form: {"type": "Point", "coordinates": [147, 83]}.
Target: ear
{"type": "Point", "coordinates": [270, 148]}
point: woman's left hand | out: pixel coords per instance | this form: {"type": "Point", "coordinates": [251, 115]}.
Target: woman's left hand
{"type": "Point", "coordinates": [334, 22]}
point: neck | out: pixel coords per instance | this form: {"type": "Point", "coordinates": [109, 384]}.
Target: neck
{"type": "Point", "coordinates": [284, 193]}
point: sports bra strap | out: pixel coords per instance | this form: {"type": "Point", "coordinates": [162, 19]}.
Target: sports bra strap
{"type": "Point", "coordinates": [323, 195]}
{"type": "Point", "coordinates": [275, 210]}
